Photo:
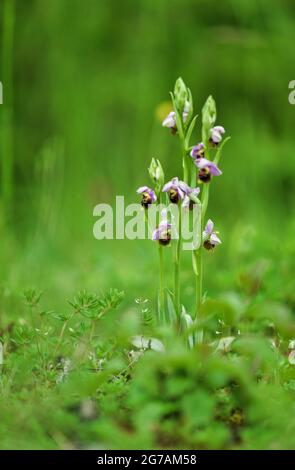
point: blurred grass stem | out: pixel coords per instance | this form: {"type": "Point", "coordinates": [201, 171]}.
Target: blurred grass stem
{"type": "Point", "coordinates": [6, 131]}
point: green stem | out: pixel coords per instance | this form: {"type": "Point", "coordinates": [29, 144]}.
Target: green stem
{"type": "Point", "coordinates": [198, 255]}
{"type": "Point", "coordinates": [177, 268]}
{"type": "Point", "coordinates": [62, 334]}
{"type": "Point", "coordinates": [161, 312]}
{"type": "Point", "coordinates": [193, 175]}
{"type": "Point", "coordinates": [205, 199]}
{"type": "Point", "coordinates": [185, 168]}
{"type": "Point", "coordinates": [35, 335]}
{"type": "Point", "coordinates": [92, 330]}
{"type": "Point", "coordinates": [199, 281]}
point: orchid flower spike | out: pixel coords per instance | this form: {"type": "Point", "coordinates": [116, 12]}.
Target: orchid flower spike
{"type": "Point", "coordinates": [148, 196]}
{"type": "Point", "coordinates": [210, 238]}
{"type": "Point", "coordinates": [207, 169]}
{"type": "Point", "coordinates": [176, 189]}
{"type": "Point", "coordinates": [162, 234]}
{"type": "Point", "coordinates": [198, 151]}
{"type": "Point", "coordinates": [216, 135]}
{"type": "Point", "coordinates": [170, 120]}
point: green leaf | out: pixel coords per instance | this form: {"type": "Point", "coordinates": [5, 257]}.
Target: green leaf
{"type": "Point", "coordinates": [187, 325]}
{"type": "Point", "coordinates": [171, 314]}
{"type": "Point", "coordinates": [190, 130]}
{"type": "Point", "coordinates": [219, 151]}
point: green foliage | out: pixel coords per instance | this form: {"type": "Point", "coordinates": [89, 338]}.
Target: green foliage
{"type": "Point", "coordinates": [93, 306]}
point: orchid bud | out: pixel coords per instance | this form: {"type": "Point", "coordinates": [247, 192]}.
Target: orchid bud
{"type": "Point", "coordinates": [181, 95]}
{"type": "Point", "coordinates": [156, 173]}
{"type": "Point", "coordinates": [208, 118]}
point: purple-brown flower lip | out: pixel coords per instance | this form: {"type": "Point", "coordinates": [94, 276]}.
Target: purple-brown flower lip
{"type": "Point", "coordinates": [162, 233]}
{"type": "Point", "coordinates": [176, 189]}
{"type": "Point", "coordinates": [198, 151]}
{"type": "Point", "coordinates": [148, 196]}
{"type": "Point", "coordinates": [206, 169]}
{"type": "Point", "coordinates": [210, 238]}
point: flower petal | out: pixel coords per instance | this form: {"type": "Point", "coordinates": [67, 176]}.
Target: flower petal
{"type": "Point", "coordinates": [214, 170]}
{"type": "Point", "coordinates": [153, 195]}
{"type": "Point", "coordinates": [156, 234]}
{"type": "Point", "coordinates": [167, 187]}
{"type": "Point", "coordinates": [202, 163]}
{"type": "Point", "coordinates": [184, 187]}
{"type": "Point", "coordinates": [169, 121]}
{"type": "Point", "coordinates": [196, 149]}
{"type": "Point", "coordinates": [209, 227]}
{"type": "Point", "coordinates": [216, 136]}
{"type": "Point", "coordinates": [143, 189]}
{"type": "Point", "coordinates": [214, 239]}
{"type": "Point", "coordinates": [219, 129]}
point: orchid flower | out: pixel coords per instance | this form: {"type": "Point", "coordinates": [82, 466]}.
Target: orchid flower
{"type": "Point", "coordinates": [170, 120]}
{"type": "Point", "coordinates": [210, 238]}
{"type": "Point", "coordinates": [198, 151]}
{"type": "Point", "coordinates": [207, 169]}
{"type": "Point", "coordinates": [162, 234]}
{"type": "Point", "coordinates": [176, 189]}
{"type": "Point", "coordinates": [148, 196]}
{"type": "Point", "coordinates": [216, 134]}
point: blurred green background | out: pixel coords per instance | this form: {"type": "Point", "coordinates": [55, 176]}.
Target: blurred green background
{"type": "Point", "coordinates": [82, 84]}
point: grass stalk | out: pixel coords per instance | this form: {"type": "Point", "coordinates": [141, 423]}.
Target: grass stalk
{"type": "Point", "coordinates": [6, 130]}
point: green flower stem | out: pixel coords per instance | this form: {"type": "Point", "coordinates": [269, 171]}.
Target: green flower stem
{"type": "Point", "coordinates": [161, 301]}
{"type": "Point", "coordinates": [35, 335]}
{"type": "Point", "coordinates": [205, 199]}
{"type": "Point", "coordinates": [186, 169]}
{"type": "Point", "coordinates": [186, 163]}
{"type": "Point", "coordinates": [197, 255]}
{"type": "Point", "coordinates": [161, 273]}
{"type": "Point", "coordinates": [193, 175]}
{"type": "Point", "coordinates": [186, 176]}
{"type": "Point", "coordinates": [161, 297]}
{"type": "Point", "coordinates": [161, 284]}
{"type": "Point", "coordinates": [177, 269]}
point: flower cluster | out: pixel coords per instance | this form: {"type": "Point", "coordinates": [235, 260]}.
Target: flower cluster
{"type": "Point", "coordinates": [177, 191]}
{"type": "Point", "coordinates": [207, 168]}
{"type": "Point", "coordinates": [200, 164]}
